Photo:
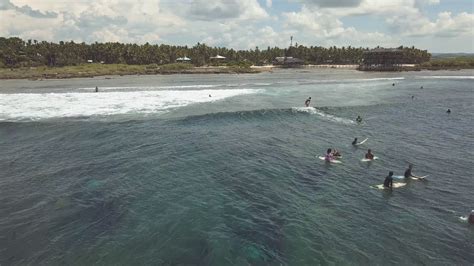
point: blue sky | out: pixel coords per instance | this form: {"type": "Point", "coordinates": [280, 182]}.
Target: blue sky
{"type": "Point", "coordinates": [435, 25]}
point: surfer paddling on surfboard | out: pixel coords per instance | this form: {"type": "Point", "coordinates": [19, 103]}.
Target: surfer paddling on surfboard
{"type": "Point", "coordinates": [369, 155]}
{"type": "Point", "coordinates": [388, 183]}
{"type": "Point", "coordinates": [336, 153]}
{"type": "Point", "coordinates": [307, 102]}
{"type": "Point", "coordinates": [354, 142]}
{"type": "Point", "coordinates": [329, 157]}
{"type": "Point", "coordinates": [471, 217]}
{"type": "Point", "coordinates": [409, 175]}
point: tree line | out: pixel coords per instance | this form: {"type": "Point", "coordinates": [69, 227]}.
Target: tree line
{"type": "Point", "coordinates": [15, 52]}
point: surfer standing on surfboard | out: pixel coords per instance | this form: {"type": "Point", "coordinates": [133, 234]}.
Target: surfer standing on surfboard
{"type": "Point", "coordinates": [307, 102]}
{"type": "Point", "coordinates": [388, 183]}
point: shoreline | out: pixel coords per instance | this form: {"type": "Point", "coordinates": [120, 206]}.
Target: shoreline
{"type": "Point", "coordinates": [97, 70]}
{"type": "Point", "coordinates": [91, 71]}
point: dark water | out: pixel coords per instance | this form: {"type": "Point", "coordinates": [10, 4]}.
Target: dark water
{"type": "Point", "coordinates": [176, 178]}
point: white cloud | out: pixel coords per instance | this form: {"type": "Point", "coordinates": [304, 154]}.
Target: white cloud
{"type": "Point", "coordinates": [269, 3]}
{"type": "Point", "coordinates": [237, 24]}
{"type": "Point", "coordinates": [225, 10]}
{"type": "Point", "coordinates": [446, 25]}
{"type": "Point", "coordinates": [333, 3]}
{"type": "Point", "coordinates": [102, 20]}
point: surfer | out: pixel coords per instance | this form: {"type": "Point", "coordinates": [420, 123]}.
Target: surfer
{"type": "Point", "coordinates": [369, 155]}
{"type": "Point", "coordinates": [393, 84]}
{"type": "Point", "coordinates": [408, 171]}
{"type": "Point", "coordinates": [413, 97]}
{"type": "Point", "coordinates": [329, 157]}
{"type": "Point", "coordinates": [307, 102]}
{"type": "Point", "coordinates": [354, 142]}
{"type": "Point", "coordinates": [449, 111]}
{"type": "Point", "coordinates": [471, 217]}
{"type": "Point", "coordinates": [359, 119]}
{"type": "Point", "coordinates": [210, 96]}
{"type": "Point", "coordinates": [96, 89]}
{"type": "Point", "coordinates": [388, 183]}
{"type": "Point", "coordinates": [336, 153]}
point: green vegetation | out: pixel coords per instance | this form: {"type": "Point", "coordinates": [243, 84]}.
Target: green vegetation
{"type": "Point", "coordinates": [464, 62]}
{"type": "Point", "coordinates": [15, 53]}
{"type": "Point", "coordinates": [92, 70]}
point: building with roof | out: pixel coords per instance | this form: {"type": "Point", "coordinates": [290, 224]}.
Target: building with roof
{"type": "Point", "coordinates": [287, 61]}
{"type": "Point", "coordinates": [183, 59]}
{"type": "Point", "coordinates": [382, 59]}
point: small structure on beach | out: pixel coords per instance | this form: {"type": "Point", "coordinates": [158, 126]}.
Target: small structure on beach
{"type": "Point", "coordinates": [218, 58]}
{"type": "Point", "coordinates": [183, 60]}
{"type": "Point", "coordinates": [382, 59]}
{"type": "Point", "coordinates": [287, 61]}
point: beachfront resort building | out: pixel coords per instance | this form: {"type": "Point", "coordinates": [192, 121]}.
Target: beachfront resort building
{"type": "Point", "coordinates": [287, 61]}
{"type": "Point", "coordinates": [382, 59]}
{"type": "Point", "coordinates": [184, 59]}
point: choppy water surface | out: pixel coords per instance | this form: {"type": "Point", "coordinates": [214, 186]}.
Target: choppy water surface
{"type": "Point", "coordinates": [222, 169]}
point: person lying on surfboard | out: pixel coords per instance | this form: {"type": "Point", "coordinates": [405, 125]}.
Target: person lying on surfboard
{"type": "Point", "coordinates": [329, 157]}
{"type": "Point", "coordinates": [369, 155]}
{"type": "Point", "coordinates": [388, 183]}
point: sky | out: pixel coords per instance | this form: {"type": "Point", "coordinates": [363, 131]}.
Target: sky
{"type": "Point", "coordinates": [445, 26]}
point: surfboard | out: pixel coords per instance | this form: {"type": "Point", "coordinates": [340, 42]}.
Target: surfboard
{"type": "Point", "coordinates": [395, 185]}
{"type": "Point", "coordinates": [463, 219]}
{"type": "Point", "coordinates": [411, 177]}
{"type": "Point", "coordinates": [418, 177]}
{"type": "Point", "coordinates": [362, 142]}
{"type": "Point", "coordinates": [369, 160]}
{"type": "Point", "coordinates": [332, 161]}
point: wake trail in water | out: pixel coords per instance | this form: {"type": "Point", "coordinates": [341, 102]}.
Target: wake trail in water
{"type": "Point", "coordinates": [315, 111]}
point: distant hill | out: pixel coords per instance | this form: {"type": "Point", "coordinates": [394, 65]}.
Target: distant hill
{"type": "Point", "coordinates": [450, 55]}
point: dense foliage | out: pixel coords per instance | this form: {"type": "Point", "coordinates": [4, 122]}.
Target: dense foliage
{"type": "Point", "coordinates": [464, 62]}
{"type": "Point", "coordinates": [14, 52]}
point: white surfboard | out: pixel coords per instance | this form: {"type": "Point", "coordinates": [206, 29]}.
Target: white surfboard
{"type": "Point", "coordinates": [332, 161]}
{"type": "Point", "coordinates": [395, 185]}
{"type": "Point", "coordinates": [369, 160]}
{"type": "Point", "coordinates": [362, 142]}
{"type": "Point", "coordinates": [398, 177]}
{"type": "Point", "coordinates": [463, 219]}
{"type": "Point", "coordinates": [411, 177]}
{"type": "Point", "coordinates": [418, 177]}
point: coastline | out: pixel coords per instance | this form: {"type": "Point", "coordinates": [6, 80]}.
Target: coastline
{"type": "Point", "coordinates": [99, 70]}
{"type": "Point", "coordinates": [96, 70]}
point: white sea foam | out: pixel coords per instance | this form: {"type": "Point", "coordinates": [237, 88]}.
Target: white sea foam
{"type": "Point", "coordinates": [171, 87]}
{"type": "Point", "coordinates": [377, 79]}
{"type": "Point", "coordinates": [312, 110]}
{"type": "Point", "coordinates": [446, 77]}
{"type": "Point", "coordinates": [34, 106]}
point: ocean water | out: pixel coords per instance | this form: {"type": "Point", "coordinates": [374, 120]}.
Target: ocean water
{"type": "Point", "coordinates": [223, 169]}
